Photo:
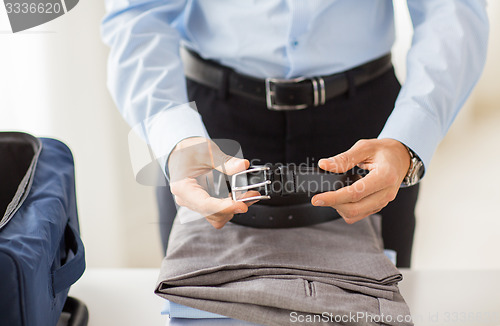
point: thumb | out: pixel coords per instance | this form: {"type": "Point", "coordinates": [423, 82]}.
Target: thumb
{"type": "Point", "coordinates": [226, 164]}
{"type": "Point", "coordinates": [347, 160]}
{"type": "Point", "coordinates": [234, 165]}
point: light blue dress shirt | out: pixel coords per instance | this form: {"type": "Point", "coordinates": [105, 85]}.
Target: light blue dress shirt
{"type": "Point", "coordinates": [286, 39]}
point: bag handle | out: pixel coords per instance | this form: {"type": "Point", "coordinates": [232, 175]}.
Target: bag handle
{"type": "Point", "coordinates": [69, 272]}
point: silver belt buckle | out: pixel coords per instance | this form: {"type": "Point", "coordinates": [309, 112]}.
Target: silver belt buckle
{"type": "Point", "coordinates": [235, 189]}
{"type": "Point", "coordinates": [319, 93]}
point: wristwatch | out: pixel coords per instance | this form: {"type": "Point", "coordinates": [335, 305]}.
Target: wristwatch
{"type": "Point", "coordinates": [415, 171]}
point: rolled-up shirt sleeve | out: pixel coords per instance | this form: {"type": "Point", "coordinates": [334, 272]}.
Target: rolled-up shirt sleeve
{"type": "Point", "coordinates": [444, 63]}
{"type": "Point", "coordinates": [145, 73]}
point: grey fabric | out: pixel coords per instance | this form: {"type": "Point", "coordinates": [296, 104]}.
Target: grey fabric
{"type": "Point", "coordinates": [267, 276]}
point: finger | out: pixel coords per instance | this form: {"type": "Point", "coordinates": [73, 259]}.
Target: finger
{"type": "Point", "coordinates": [354, 220]}
{"type": "Point", "coordinates": [248, 194]}
{"type": "Point", "coordinates": [353, 212]}
{"type": "Point", "coordinates": [217, 221]}
{"type": "Point", "coordinates": [224, 206]}
{"type": "Point", "coordinates": [371, 183]}
{"type": "Point", "coordinates": [345, 161]}
{"type": "Point", "coordinates": [189, 193]}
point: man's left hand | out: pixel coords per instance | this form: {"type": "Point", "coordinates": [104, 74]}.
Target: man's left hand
{"type": "Point", "coordinates": [387, 160]}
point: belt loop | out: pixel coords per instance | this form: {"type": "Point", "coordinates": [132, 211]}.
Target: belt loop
{"type": "Point", "coordinates": [224, 84]}
{"type": "Point", "coordinates": [351, 87]}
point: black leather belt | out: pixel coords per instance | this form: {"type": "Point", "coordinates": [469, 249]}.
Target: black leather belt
{"type": "Point", "coordinates": [288, 180]}
{"type": "Point", "coordinates": [290, 216]}
{"type": "Point", "coordinates": [285, 192]}
{"type": "Point", "coordinates": [281, 94]}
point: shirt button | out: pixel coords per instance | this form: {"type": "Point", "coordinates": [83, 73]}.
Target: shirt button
{"type": "Point", "coordinates": [294, 43]}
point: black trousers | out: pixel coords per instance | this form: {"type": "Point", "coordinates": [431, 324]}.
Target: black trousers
{"type": "Point", "coordinates": [305, 136]}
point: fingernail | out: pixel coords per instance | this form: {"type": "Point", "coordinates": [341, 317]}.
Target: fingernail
{"type": "Point", "coordinates": [319, 203]}
{"type": "Point", "coordinates": [238, 211]}
{"type": "Point", "coordinates": [326, 161]}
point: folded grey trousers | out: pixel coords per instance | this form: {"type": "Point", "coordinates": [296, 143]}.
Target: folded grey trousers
{"type": "Point", "coordinates": [331, 273]}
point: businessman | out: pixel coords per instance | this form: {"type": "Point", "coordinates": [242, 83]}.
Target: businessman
{"type": "Point", "coordinates": [297, 81]}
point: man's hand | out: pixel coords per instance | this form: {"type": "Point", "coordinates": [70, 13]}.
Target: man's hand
{"type": "Point", "coordinates": [196, 156]}
{"type": "Point", "coordinates": [387, 160]}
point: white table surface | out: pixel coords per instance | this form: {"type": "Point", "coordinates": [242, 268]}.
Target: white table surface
{"type": "Point", "coordinates": [120, 297]}
{"type": "Point", "coordinates": [125, 297]}
{"type": "Point", "coordinates": [453, 297]}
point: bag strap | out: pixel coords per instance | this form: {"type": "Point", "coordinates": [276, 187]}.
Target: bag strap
{"type": "Point", "coordinates": [69, 272]}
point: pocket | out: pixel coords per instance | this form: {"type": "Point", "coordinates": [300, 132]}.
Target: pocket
{"type": "Point", "coordinates": [309, 288]}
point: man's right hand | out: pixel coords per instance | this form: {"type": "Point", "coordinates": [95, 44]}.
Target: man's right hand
{"type": "Point", "coordinates": [196, 156]}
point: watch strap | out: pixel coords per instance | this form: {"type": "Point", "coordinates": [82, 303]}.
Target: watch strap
{"type": "Point", "coordinates": [415, 170]}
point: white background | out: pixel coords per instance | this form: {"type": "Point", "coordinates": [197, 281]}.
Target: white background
{"type": "Point", "coordinates": [53, 83]}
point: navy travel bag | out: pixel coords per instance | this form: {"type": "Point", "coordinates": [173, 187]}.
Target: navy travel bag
{"type": "Point", "coordinates": [41, 253]}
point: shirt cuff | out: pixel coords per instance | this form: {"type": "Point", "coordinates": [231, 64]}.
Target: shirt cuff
{"type": "Point", "coordinates": [416, 129]}
{"type": "Point", "coordinates": [169, 127]}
